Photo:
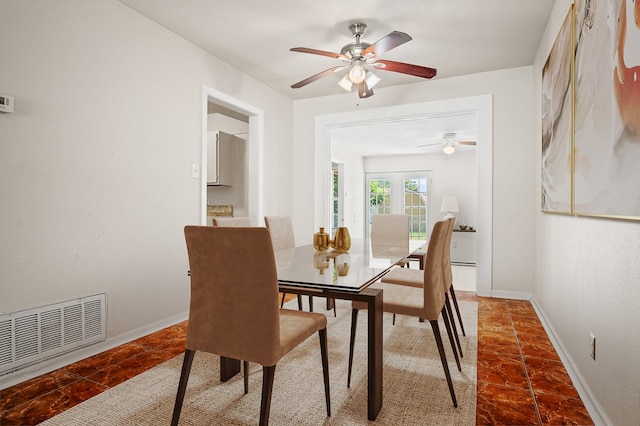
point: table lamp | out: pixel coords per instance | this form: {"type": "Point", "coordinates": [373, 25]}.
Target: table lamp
{"type": "Point", "coordinates": [449, 205]}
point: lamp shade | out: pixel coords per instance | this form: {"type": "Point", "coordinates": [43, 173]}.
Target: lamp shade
{"type": "Point", "coordinates": [449, 204]}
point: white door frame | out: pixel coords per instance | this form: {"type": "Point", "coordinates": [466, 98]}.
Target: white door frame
{"type": "Point", "coordinates": [481, 105]}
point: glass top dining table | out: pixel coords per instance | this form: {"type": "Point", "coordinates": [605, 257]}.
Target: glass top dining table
{"type": "Point", "coordinates": [330, 270]}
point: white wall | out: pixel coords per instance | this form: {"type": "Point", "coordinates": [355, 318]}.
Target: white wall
{"type": "Point", "coordinates": [96, 160]}
{"type": "Point", "coordinates": [513, 141]}
{"type": "Point", "coordinates": [586, 281]}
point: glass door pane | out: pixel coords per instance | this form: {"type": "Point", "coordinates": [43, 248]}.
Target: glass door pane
{"type": "Point", "coordinates": [415, 205]}
{"type": "Point", "coordinates": [379, 199]}
{"type": "Point", "coordinates": [401, 192]}
{"type": "Point", "coordinates": [379, 196]}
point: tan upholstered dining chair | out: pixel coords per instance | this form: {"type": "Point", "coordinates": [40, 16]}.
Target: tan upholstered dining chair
{"type": "Point", "coordinates": [425, 302]}
{"type": "Point", "coordinates": [229, 221]}
{"type": "Point", "coordinates": [283, 238]}
{"type": "Point", "coordinates": [390, 230]}
{"type": "Point", "coordinates": [234, 311]}
{"type": "Point", "coordinates": [448, 286]}
{"type": "Point", "coordinates": [416, 279]}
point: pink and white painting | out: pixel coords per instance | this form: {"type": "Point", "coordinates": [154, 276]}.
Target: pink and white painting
{"type": "Point", "coordinates": [607, 109]}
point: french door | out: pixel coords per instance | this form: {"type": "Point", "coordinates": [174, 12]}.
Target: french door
{"type": "Point", "coordinates": [401, 193]}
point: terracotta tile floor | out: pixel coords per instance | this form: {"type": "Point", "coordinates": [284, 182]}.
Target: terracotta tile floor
{"type": "Point", "coordinates": [521, 380]}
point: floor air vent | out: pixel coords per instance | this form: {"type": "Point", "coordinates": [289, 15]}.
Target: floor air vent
{"type": "Point", "coordinates": [30, 336]}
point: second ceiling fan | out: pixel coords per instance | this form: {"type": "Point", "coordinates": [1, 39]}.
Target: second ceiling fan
{"type": "Point", "coordinates": [361, 56]}
{"type": "Point", "coordinates": [449, 140]}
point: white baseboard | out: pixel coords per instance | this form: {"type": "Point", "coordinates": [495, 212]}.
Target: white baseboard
{"type": "Point", "coordinates": [52, 364]}
{"type": "Point", "coordinates": [590, 402]}
{"type": "Point", "coordinates": [511, 295]}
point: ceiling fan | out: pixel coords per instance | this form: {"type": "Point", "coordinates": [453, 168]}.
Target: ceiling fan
{"type": "Point", "coordinates": [449, 140]}
{"type": "Point", "coordinates": [361, 57]}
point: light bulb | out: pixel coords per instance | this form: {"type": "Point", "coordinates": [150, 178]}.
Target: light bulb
{"type": "Point", "coordinates": [357, 74]}
{"type": "Point", "coordinates": [449, 149]}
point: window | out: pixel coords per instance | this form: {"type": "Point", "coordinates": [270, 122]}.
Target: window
{"type": "Point", "coordinates": [398, 193]}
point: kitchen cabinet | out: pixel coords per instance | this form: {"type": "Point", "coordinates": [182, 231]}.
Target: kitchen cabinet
{"type": "Point", "coordinates": [219, 159]}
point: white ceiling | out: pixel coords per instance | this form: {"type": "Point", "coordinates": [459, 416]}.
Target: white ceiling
{"type": "Point", "coordinates": [406, 136]}
{"type": "Point", "coordinates": [457, 37]}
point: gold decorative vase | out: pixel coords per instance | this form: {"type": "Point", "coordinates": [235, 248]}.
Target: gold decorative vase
{"type": "Point", "coordinates": [321, 240]}
{"type": "Point", "coordinates": [342, 240]}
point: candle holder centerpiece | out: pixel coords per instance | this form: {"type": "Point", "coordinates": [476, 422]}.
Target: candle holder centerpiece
{"type": "Point", "coordinates": [341, 243]}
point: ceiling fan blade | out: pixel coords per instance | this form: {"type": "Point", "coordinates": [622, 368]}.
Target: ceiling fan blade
{"type": "Point", "coordinates": [316, 77]}
{"type": "Point", "coordinates": [386, 43]}
{"type": "Point", "coordinates": [364, 91]}
{"type": "Point", "coordinates": [401, 67]}
{"type": "Point", "coordinates": [431, 144]}
{"type": "Point", "coordinates": [319, 52]}
{"type": "Point", "coordinates": [467, 143]}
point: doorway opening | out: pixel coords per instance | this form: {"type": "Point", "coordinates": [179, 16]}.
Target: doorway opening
{"type": "Point", "coordinates": [481, 105]}
{"type": "Point", "coordinates": [229, 106]}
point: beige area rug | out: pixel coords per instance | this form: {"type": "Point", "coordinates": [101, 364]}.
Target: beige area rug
{"type": "Point", "coordinates": [415, 391]}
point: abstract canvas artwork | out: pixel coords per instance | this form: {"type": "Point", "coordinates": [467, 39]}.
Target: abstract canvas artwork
{"type": "Point", "coordinates": [557, 131]}
{"type": "Point", "coordinates": [607, 109]}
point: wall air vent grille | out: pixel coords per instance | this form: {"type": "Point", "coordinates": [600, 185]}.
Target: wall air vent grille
{"type": "Point", "coordinates": [31, 336]}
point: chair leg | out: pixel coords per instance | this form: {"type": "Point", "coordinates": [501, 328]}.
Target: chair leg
{"type": "Point", "coordinates": [443, 358]}
{"type": "Point", "coordinates": [310, 303]}
{"type": "Point", "coordinates": [393, 321]}
{"type": "Point", "coordinates": [267, 389]}
{"type": "Point", "coordinates": [246, 377]}
{"type": "Point", "coordinates": [354, 323]}
{"type": "Point", "coordinates": [299, 302]}
{"type": "Point", "coordinates": [325, 368]}
{"type": "Point", "coordinates": [182, 386]}
{"type": "Point", "coordinates": [453, 323]}
{"type": "Point", "coordinates": [447, 325]}
{"type": "Point", "coordinates": [282, 300]}
{"type": "Point", "coordinates": [455, 304]}
{"type": "Point", "coordinates": [331, 304]}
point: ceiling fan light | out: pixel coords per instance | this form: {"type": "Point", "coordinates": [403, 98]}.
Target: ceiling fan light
{"type": "Point", "coordinates": [449, 149]}
{"type": "Point", "coordinates": [357, 74]}
{"type": "Point", "coordinates": [345, 83]}
{"type": "Point", "coordinates": [371, 79]}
